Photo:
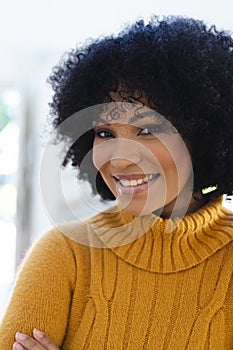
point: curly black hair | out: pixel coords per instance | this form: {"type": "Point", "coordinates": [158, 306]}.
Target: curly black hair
{"type": "Point", "coordinates": [182, 66]}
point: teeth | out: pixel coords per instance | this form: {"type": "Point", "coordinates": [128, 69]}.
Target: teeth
{"type": "Point", "coordinates": [133, 182]}
{"type": "Point", "coordinates": [126, 183]}
{"type": "Point", "coordinates": [140, 181]}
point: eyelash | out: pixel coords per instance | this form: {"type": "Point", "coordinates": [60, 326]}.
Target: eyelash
{"type": "Point", "coordinates": [152, 129]}
{"type": "Point", "coordinates": [98, 133]}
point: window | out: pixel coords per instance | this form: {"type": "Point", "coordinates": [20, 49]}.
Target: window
{"type": "Point", "coordinates": [10, 120]}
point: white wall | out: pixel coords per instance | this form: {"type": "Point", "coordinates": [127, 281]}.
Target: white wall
{"type": "Point", "coordinates": [28, 26]}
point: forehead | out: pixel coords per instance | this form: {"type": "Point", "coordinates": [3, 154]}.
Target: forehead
{"type": "Point", "coordinates": [127, 113]}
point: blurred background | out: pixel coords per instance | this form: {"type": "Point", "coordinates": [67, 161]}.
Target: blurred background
{"type": "Point", "coordinates": [33, 37]}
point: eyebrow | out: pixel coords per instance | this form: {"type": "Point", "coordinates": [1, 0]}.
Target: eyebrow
{"type": "Point", "coordinates": [133, 118]}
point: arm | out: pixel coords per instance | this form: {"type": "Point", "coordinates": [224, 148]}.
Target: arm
{"type": "Point", "coordinates": [42, 293]}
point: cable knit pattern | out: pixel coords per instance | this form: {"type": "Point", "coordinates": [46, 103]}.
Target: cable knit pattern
{"type": "Point", "coordinates": [167, 286]}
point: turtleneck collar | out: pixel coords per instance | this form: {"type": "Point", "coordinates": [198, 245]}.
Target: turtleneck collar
{"type": "Point", "coordinates": [165, 245]}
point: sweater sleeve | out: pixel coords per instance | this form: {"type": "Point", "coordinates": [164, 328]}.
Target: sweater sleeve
{"type": "Point", "coordinates": [42, 293]}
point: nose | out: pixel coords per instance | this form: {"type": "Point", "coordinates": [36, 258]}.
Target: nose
{"type": "Point", "coordinates": [124, 155]}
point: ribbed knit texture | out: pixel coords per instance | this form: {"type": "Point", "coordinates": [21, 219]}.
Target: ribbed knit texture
{"type": "Point", "coordinates": [171, 288]}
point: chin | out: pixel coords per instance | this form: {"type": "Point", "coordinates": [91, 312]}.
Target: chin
{"type": "Point", "coordinates": [138, 206]}
{"type": "Point", "coordinates": [136, 209]}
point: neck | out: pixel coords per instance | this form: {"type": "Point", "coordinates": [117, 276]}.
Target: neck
{"type": "Point", "coordinates": [197, 201]}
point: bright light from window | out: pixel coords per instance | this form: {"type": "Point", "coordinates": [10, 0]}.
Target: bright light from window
{"type": "Point", "coordinates": [8, 198]}
{"type": "Point", "coordinates": [11, 98]}
{"type": "Point", "coordinates": [10, 103]}
{"type": "Point", "coordinates": [9, 148]}
{"type": "Point", "coordinates": [7, 252]}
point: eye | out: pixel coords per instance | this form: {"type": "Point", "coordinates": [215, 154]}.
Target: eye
{"type": "Point", "coordinates": [157, 129]}
{"type": "Point", "coordinates": [151, 129]}
{"type": "Point", "coordinates": [103, 134]}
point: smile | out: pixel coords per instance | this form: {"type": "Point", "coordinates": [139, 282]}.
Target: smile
{"type": "Point", "coordinates": [133, 184]}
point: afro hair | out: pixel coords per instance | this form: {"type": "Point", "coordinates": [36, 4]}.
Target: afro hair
{"type": "Point", "coordinates": [182, 66]}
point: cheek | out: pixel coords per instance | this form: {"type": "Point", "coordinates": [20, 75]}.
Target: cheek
{"type": "Point", "coordinates": [96, 158]}
{"type": "Point", "coordinates": [166, 161]}
{"type": "Point", "coordinates": [175, 162]}
{"type": "Point", "coordinates": [100, 156]}
{"type": "Point", "coordinates": [162, 157]}
{"type": "Point", "coordinates": [101, 160]}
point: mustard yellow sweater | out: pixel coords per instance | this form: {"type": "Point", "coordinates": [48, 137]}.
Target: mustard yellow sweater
{"type": "Point", "coordinates": [171, 288]}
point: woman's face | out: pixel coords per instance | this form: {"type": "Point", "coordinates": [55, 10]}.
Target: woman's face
{"type": "Point", "coordinates": [141, 157]}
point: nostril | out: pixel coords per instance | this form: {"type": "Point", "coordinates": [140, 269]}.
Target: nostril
{"type": "Point", "coordinates": [124, 162]}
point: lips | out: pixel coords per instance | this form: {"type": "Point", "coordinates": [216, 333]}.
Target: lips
{"type": "Point", "coordinates": [134, 183]}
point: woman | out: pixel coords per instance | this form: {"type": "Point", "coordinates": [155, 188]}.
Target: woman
{"type": "Point", "coordinates": [155, 107]}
